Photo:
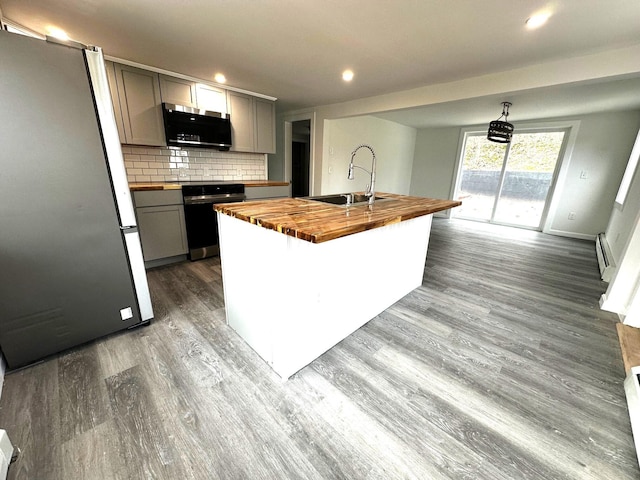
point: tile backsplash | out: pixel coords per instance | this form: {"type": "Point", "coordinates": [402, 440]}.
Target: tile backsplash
{"type": "Point", "coordinates": [158, 164]}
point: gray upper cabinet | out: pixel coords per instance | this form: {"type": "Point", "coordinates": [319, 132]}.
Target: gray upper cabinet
{"type": "Point", "coordinates": [265, 126]}
{"type": "Point", "coordinates": [178, 91]}
{"type": "Point", "coordinates": [140, 106]}
{"type": "Point", "coordinates": [138, 94]}
{"type": "Point", "coordinates": [113, 88]}
{"type": "Point", "coordinates": [242, 122]}
{"type": "Point", "coordinates": [252, 123]}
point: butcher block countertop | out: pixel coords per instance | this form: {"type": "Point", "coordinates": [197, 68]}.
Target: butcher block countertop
{"type": "Point", "coordinates": [141, 186]}
{"type": "Point", "coordinates": [318, 222]}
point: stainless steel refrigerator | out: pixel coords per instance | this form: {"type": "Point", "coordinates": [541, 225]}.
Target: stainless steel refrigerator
{"type": "Point", "coordinates": [71, 266]}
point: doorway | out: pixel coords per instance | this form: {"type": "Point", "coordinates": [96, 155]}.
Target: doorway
{"type": "Point", "coordinates": [509, 184]}
{"type": "Point", "coordinates": [300, 157]}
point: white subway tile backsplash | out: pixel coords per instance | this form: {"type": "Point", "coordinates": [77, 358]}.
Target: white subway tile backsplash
{"type": "Point", "coordinates": [144, 164]}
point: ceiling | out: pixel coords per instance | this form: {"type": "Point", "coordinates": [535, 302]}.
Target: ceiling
{"type": "Point", "coordinates": [295, 50]}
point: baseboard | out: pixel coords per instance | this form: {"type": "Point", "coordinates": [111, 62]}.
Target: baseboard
{"type": "Point", "coordinates": [564, 233]}
{"type": "Point", "coordinates": [161, 262]}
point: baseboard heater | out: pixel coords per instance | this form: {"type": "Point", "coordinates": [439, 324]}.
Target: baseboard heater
{"type": "Point", "coordinates": [6, 452]}
{"type": "Point", "coordinates": [605, 259]}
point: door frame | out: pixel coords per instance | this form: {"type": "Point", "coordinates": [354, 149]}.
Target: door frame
{"type": "Point", "coordinates": [288, 139]}
{"type": "Point", "coordinates": [562, 166]}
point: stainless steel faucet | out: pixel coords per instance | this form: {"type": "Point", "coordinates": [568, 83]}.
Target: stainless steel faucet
{"type": "Point", "coordinates": [371, 188]}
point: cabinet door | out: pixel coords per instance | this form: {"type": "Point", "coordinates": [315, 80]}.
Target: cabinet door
{"type": "Point", "coordinates": [211, 98]}
{"type": "Point", "coordinates": [242, 122]}
{"type": "Point", "coordinates": [265, 127]}
{"type": "Point", "coordinates": [162, 231]}
{"type": "Point", "coordinates": [113, 89]}
{"type": "Point", "coordinates": [263, 192]}
{"type": "Point", "coordinates": [178, 91]}
{"type": "Point", "coordinates": [140, 102]}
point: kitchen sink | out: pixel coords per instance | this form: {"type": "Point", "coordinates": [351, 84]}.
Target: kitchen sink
{"type": "Point", "coordinates": [341, 199]}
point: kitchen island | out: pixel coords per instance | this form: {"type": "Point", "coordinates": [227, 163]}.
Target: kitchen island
{"type": "Point", "coordinates": [300, 275]}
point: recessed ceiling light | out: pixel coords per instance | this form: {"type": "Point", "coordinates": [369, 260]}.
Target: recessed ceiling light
{"type": "Point", "coordinates": [220, 78]}
{"type": "Point", "coordinates": [57, 33]}
{"type": "Point", "coordinates": [537, 20]}
{"type": "Point", "coordinates": [347, 75]}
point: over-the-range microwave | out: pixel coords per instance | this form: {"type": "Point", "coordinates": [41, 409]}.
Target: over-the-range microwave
{"type": "Point", "coordinates": [188, 126]}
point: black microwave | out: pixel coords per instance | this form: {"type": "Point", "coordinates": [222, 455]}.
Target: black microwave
{"type": "Point", "coordinates": [193, 127]}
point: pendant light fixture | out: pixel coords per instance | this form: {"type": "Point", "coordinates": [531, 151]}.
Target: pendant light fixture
{"type": "Point", "coordinates": [501, 131]}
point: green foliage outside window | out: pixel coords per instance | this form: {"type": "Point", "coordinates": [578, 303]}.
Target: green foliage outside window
{"type": "Point", "coordinates": [529, 152]}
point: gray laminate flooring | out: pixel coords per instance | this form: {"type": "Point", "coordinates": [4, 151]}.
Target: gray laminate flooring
{"type": "Point", "coordinates": [501, 366]}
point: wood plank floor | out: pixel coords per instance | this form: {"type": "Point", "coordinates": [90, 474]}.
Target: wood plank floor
{"type": "Point", "coordinates": [501, 366]}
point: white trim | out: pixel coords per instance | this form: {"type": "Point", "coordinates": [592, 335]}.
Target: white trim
{"type": "Point", "coordinates": [14, 27]}
{"type": "Point", "coordinates": [565, 233]}
{"type": "Point", "coordinates": [187, 77]}
{"type": "Point", "coordinates": [632, 392]}
{"type": "Point", "coordinates": [6, 452]}
{"type": "Point", "coordinates": [629, 173]}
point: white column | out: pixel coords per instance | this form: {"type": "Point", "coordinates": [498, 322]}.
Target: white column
{"type": "Point", "coordinates": [622, 295]}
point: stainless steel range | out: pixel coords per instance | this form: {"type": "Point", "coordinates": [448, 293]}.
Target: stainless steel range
{"type": "Point", "coordinates": [200, 218]}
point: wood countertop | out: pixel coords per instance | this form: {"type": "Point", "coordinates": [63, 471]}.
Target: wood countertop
{"type": "Point", "coordinates": [141, 186]}
{"type": "Point", "coordinates": [319, 222]}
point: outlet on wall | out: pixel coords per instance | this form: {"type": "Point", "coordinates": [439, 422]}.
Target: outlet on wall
{"type": "Point", "coordinates": [572, 215]}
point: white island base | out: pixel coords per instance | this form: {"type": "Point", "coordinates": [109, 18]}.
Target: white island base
{"type": "Point", "coordinates": [292, 300]}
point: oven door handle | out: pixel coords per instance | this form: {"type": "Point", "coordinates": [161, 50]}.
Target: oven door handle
{"type": "Point", "coordinates": [205, 199]}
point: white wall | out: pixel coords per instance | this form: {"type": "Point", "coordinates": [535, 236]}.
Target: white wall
{"type": "Point", "coordinates": [602, 148]}
{"type": "Point", "coordinates": [565, 71]}
{"type": "Point", "coordinates": [434, 162]}
{"type": "Point", "coordinates": [392, 142]}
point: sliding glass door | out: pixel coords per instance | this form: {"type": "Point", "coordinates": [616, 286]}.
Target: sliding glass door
{"type": "Point", "coordinates": [508, 183]}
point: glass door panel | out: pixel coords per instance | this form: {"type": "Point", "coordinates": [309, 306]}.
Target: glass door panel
{"type": "Point", "coordinates": [529, 172]}
{"type": "Point", "coordinates": [480, 178]}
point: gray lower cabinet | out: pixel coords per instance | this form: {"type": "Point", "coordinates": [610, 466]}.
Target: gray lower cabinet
{"type": "Point", "coordinates": [160, 215]}
{"type": "Point", "coordinates": [266, 192]}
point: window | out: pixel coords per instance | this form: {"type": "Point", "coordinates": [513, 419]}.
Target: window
{"type": "Point", "coordinates": [509, 183]}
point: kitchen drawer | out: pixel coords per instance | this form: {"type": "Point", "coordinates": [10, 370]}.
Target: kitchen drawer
{"type": "Point", "coordinates": [256, 193]}
{"type": "Point", "coordinates": [156, 198]}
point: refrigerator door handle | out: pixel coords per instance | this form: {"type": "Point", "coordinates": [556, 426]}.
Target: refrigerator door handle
{"type": "Point", "coordinates": [139, 274]}
{"type": "Point", "coordinates": [113, 149]}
